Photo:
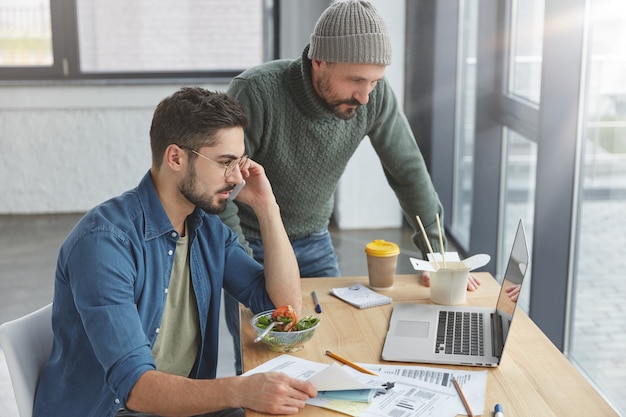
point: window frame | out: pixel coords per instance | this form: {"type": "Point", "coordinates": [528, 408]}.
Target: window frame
{"type": "Point", "coordinates": [66, 53]}
{"type": "Point", "coordinates": [546, 124]}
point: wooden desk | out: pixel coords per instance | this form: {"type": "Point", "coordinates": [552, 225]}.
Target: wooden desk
{"type": "Point", "coordinates": [534, 378]}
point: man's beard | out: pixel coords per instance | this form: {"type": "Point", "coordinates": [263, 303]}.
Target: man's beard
{"type": "Point", "coordinates": [187, 189]}
{"type": "Point", "coordinates": [333, 106]}
{"type": "Point", "coordinates": [346, 114]}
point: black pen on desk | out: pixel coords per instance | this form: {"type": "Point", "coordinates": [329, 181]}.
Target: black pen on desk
{"type": "Point", "coordinates": [318, 307]}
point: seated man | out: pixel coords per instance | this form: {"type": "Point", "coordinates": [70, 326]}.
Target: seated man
{"type": "Point", "coordinates": [139, 280]}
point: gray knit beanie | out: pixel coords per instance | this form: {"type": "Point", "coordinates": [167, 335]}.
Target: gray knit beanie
{"type": "Point", "coordinates": [351, 31]}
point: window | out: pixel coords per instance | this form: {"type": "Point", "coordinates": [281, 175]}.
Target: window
{"type": "Point", "coordinates": [549, 148]}
{"type": "Point", "coordinates": [465, 116]}
{"type": "Point", "coordinates": [526, 41]}
{"type": "Point", "coordinates": [104, 39]}
{"type": "Point", "coordinates": [520, 173]}
{"type": "Point", "coordinates": [25, 33]}
{"type": "Point", "coordinates": [599, 293]}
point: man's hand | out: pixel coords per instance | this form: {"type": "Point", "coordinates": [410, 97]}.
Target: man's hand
{"type": "Point", "coordinates": [275, 393]}
{"type": "Point", "coordinates": [258, 191]}
{"type": "Point", "coordinates": [472, 282]}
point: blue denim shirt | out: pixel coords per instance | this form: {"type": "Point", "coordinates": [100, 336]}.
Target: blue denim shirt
{"type": "Point", "coordinates": [111, 283]}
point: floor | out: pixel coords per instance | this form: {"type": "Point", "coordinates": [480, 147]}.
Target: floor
{"type": "Point", "coordinates": [29, 246]}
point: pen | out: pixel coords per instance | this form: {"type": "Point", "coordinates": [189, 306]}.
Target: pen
{"type": "Point", "coordinates": [318, 307]}
{"type": "Point", "coordinates": [498, 411]}
{"type": "Point", "coordinates": [350, 364]}
{"type": "Point", "coordinates": [463, 399]}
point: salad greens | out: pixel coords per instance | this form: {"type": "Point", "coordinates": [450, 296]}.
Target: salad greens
{"type": "Point", "coordinates": [302, 324]}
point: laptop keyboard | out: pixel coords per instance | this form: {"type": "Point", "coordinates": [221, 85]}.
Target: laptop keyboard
{"type": "Point", "coordinates": [460, 333]}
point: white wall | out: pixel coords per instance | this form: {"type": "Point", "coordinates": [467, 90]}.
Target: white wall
{"type": "Point", "coordinates": [66, 147]}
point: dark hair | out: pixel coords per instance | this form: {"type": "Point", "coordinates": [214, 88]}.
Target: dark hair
{"type": "Point", "coordinates": [191, 117]}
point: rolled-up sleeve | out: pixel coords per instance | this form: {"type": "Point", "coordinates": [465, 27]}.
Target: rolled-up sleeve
{"type": "Point", "coordinates": [244, 277]}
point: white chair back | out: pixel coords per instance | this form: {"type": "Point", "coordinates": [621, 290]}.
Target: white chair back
{"type": "Point", "coordinates": [27, 343]}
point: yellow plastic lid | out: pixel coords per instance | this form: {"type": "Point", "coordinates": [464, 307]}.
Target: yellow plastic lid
{"type": "Point", "coordinates": [381, 248]}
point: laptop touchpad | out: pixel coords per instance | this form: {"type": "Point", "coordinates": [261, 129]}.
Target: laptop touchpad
{"type": "Point", "coordinates": [406, 328]}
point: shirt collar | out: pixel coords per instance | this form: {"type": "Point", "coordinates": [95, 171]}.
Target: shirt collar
{"type": "Point", "coordinates": [156, 221]}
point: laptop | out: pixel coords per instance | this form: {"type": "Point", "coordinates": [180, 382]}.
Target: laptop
{"type": "Point", "coordinates": [458, 335]}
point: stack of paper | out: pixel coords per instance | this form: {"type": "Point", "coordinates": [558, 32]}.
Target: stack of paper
{"type": "Point", "coordinates": [407, 391]}
{"type": "Point", "coordinates": [334, 383]}
{"type": "Point", "coordinates": [336, 389]}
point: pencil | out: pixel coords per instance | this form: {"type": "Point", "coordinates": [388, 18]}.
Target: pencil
{"type": "Point", "coordinates": [350, 364]}
{"type": "Point", "coordinates": [463, 399]}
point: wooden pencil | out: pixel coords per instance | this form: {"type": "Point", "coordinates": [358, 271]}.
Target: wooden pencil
{"type": "Point", "coordinates": [350, 364]}
{"type": "Point", "coordinates": [463, 399]}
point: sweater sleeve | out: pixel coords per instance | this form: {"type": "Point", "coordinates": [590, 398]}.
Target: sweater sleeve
{"type": "Point", "coordinates": [240, 90]}
{"type": "Point", "coordinates": [405, 169]}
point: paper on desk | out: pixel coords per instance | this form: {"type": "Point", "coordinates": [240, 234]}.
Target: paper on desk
{"type": "Point", "coordinates": [397, 395]}
{"type": "Point", "coordinates": [291, 365]}
{"type": "Point", "coordinates": [333, 378]}
{"type": "Point", "coordinates": [474, 383]}
{"type": "Point", "coordinates": [334, 383]}
{"type": "Point", "coordinates": [354, 395]}
{"type": "Point", "coordinates": [409, 398]}
{"type": "Point", "coordinates": [351, 408]}
{"type": "Point", "coordinates": [325, 378]}
{"type": "Point", "coordinates": [393, 397]}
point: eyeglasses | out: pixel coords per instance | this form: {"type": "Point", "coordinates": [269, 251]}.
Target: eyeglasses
{"type": "Point", "coordinates": [229, 166]}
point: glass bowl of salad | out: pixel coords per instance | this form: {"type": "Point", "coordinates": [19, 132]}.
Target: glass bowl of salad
{"type": "Point", "coordinates": [289, 332]}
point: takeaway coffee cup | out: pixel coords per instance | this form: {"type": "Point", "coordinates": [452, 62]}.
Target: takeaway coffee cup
{"type": "Point", "coordinates": [382, 257]}
{"type": "Point", "coordinates": [448, 284]}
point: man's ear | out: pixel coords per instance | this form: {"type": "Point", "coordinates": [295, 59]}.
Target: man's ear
{"type": "Point", "coordinates": [316, 64]}
{"type": "Point", "coordinates": [175, 158]}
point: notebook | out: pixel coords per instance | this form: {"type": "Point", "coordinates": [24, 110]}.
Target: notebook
{"type": "Point", "coordinates": [360, 296]}
{"type": "Point", "coordinates": [458, 335]}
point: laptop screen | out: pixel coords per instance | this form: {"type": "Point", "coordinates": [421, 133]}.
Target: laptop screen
{"type": "Point", "coordinates": [511, 289]}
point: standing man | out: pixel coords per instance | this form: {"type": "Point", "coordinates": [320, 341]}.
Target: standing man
{"type": "Point", "coordinates": [307, 118]}
{"type": "Point", "coordinates": [138, 282]}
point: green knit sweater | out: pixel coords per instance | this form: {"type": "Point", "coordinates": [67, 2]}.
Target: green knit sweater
{"type": "Point", "coordinates": [304, 149]}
